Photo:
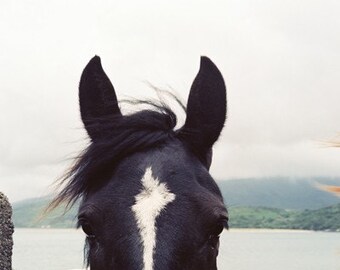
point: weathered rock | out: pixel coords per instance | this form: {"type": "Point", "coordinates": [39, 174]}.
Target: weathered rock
{"type": "Point", "coordinates": [6, 231]}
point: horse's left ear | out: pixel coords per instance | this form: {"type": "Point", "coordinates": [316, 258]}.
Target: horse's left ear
{"type": "Point", "coordinates": [206, 110]}
{"type": "Point", "coordinates": [97, 98]}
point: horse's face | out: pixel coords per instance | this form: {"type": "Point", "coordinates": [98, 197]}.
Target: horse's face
{"type": "Point", "coordinates": [149, 201]}
{"type": "Point", "coordinates": [160, 210]}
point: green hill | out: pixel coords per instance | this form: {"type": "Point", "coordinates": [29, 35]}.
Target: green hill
{"type": "Point", "coordinates": [28, 213]}
{"type": "Point", "coordinates": [327, 218]}
{"type": "Point", "coordinates": [260, 217]}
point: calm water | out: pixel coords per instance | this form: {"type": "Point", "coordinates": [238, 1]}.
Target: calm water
{"type": "Point", "coordinates": [240, 250]}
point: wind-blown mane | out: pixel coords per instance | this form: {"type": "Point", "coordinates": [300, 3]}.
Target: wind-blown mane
{"type": "Point", "coordinates": [126, 135]}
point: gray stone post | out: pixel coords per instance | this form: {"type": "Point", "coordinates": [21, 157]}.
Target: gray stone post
{"type": "Point", "coordinates": [6, 231]}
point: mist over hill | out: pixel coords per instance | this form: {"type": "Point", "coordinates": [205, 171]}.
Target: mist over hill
{"type": "Point", "coordinates": [282, 193]}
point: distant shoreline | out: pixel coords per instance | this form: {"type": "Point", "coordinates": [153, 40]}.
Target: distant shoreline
{"type": "Point", "coordinates": [232, 230]}
{"type": "Point", "coordinates": [50, 229]}
{"type": "Point", "coordinates": [264, 230]}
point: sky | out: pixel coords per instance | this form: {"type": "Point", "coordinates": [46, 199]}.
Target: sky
{"type": "Point", "coordinates": [280, 60]}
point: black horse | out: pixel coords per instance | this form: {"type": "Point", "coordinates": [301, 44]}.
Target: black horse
{"type": "Point", "coordinates": [147, 198]}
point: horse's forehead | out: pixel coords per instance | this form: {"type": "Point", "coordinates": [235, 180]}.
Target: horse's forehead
{"type": "Point", "coordinates": [155, 198]}
{"type": "Point", "coordinates": [170, 156]}
{"type": "Point", "coordinates": [166, 163]}
{"type": "Point", "coordinates": [150, 202]}
{"type": "Point", "coordinates": [172, 165]}
{"type": "Point", "coordinates": [143, 191]}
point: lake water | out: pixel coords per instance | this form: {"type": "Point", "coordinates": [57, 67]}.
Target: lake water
{"type": "Point", "coordinates": [46, 249]}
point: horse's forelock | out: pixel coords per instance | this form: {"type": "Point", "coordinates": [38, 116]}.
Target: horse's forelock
{"type": "Point", "coordinates": [125, 135]}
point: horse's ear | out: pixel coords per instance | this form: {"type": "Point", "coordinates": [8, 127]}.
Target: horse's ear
{"type": "Point", "coordinates": [206, 110]}
{"type": "Point", "coordinates": [97, 98]}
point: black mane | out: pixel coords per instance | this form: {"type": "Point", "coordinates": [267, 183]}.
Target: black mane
{"type": "Point", "coordinates": [124, 135]}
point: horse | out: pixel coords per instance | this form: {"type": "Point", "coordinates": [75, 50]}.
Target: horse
{"type": "Point", "coordinates": [147, 199]}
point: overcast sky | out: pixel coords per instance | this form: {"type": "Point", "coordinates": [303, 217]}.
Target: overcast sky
{"type": "Point", "coordinates": [280, 61]}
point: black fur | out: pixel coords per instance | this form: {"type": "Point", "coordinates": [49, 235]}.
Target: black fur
{"type": "Point", "coordinates": [107, 175]}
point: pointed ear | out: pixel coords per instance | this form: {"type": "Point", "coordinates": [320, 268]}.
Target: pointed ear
{"type": "Point", "coordinates": [97, 97]}
{"type": "Point", "coordinates": [206, 109]}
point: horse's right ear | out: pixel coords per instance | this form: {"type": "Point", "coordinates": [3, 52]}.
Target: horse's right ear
{"type": "Point", "coordinates": [97, 98]}
{"type": "Point", "coordinates": [206, 110]}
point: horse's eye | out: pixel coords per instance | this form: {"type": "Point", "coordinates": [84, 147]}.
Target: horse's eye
{"type": "Point", "coordinates": [218, 229]}
{"type": "Point", "coordinates": [214, 241]}
{"type": "Point", "coordinates": [87, 229]}
{"type": "Point", "coordinates": [214, 237]}
{"type": "Point", "coordinates": [220, 226]}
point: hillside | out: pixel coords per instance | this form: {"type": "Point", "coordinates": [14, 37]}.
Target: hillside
{"type": "Point", "coordinates": [28, 213]}
{"type": "Point", "coordinates": [327, 218]}
{"type": "Point", "coordinates": [260, 217]}
{"type": "Point", "coordinates": [282, 193]}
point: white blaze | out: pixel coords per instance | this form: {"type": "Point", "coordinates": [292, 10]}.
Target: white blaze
{"type": "Point", "coordinates": [152, 199]}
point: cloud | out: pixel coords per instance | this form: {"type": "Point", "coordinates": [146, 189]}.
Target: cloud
{"type": "Point", "coordinates": [280, 60]}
